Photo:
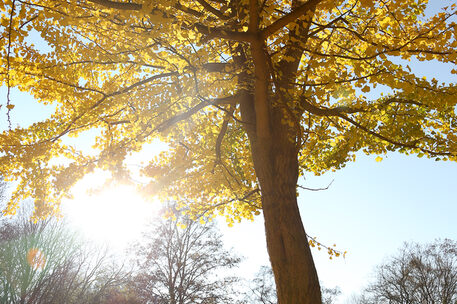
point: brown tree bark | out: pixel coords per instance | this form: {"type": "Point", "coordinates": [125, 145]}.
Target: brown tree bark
{"type": "Point", "coordinates": [295, 274]}
{"type": "Point", "coordinates": [276, 164]}
{"type": "Point", "coordinates": [291, 260]}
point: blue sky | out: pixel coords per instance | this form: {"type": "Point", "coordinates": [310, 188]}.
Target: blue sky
{"type": "Point", "coordinates": [370, 209]}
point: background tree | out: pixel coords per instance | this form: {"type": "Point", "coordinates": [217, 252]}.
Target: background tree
{"type": "Point", "coordinates": [44, 262]}
{"type": "Point", "coordinates": [248, 95]}
{"type": "Point", "coordinates": [183, 265]}
{"type": "Point", "coordinates": [263, 291]}
{"type": "Point", "coordinates": [329, 295]}
{"type": "Point", "coordinates": [3, 187]}
{"type": "Point", "coordinates": [417, 274]}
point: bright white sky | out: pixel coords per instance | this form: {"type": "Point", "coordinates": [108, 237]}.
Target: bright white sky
{"type": "Point", "coordinates": [370, 209]}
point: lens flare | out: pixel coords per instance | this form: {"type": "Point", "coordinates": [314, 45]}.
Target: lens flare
{"type": "Point", "coordinates": [36, 259]}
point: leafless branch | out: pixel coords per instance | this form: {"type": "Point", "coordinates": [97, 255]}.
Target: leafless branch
{"type": "Point", "coordinates": [8, 65]}
{"type": "Point", "coordinates": [316, 189]}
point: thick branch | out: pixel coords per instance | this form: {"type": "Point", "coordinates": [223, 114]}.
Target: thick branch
{"type": "Point", "coordinates": [261, 85]}
{"type": "Point", "coordinates": [358, 125]}
{"type": "Point", "coordinates": [219, 67]}
{"type": "Point", "coordinates": [253, 16]}
{"type": "Point", "coordinates": [221, 135]}
{"type": "Point", "coordinates": [231, 100]}
{"type": "Point", "coordinates": [142, 82]}
{"type": "Point", "coordinates": [180, 117]}
{"type": "Point", "coordinates": [212, 33]}
{"type": "Point", "coordinates": [336, 111]}
{"type": "Point", "coordinates": [292, 16]}
{"type": "Point", "coordinates": [118, 5]}
{"type": "Point", "coordinates": [185, 115]}
{"type": "Point", "coordinates": [212, 10]}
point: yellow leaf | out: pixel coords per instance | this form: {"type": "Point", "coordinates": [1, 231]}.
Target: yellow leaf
{"type": "Point", "coordinates": [366, 3]}
{"type": "Point", "coordinates": [366, 89]}
{"type": "Point", "coordinates": [378, 159]}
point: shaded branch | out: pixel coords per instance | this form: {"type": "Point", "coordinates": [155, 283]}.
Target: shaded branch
{"type": "Point", "coordinates": [292, 16]}
{"type": "Point", "coordinates": [168, 123]}
{"type": "Point", "coordinates": [204, 103]}
{"type": "Point", "coordinates": [142, 82]}
{"type": "Point", "coordinates": [411, 145]}
{"type": "Point", "coordinates": [253, 16]}
{"type": "Point", "coordinates": [219, 67]}
{"type": "Point", "coordinates": [341, 111]}
{"type": "Point", "coordinates": [336, 111]}
{"type": "Point", "coordinates": [221, 135]}
{"type": "Point", "coordinates": [212, 10]}
{"type": "Point", "coordinates": [232, 100]}
{"type": "Point", "coordinates": [118, 5]}
{"type": "Point", "coordinates": [358, 125]}
{"type": "Point", "coordinates": [215, 32]}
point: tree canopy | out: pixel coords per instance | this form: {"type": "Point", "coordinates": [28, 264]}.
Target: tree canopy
{"type": "Point", "coordinates": [247, 94]}
{"type": "Point", "coordinates": [138, 70]}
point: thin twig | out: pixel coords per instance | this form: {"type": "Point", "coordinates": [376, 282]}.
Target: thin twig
{"type": "Point", "coordinates": [8, 100]}
{"type": "Point", "coordinates": [316, 189]}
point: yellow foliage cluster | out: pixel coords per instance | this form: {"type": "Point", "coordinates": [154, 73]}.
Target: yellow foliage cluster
{"type": "Point", "coordinates": [332, 252]}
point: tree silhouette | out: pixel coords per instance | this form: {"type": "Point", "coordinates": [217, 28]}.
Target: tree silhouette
{"type": "Point", "coordinates": [183, 264]}
{"type": "Point", "coordinates": [416, 274]}
{"type": "Point", "coordinates": [44, 262]}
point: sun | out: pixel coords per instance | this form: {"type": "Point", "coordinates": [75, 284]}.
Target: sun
{"type": "Point", "coordinates": [115, 215]}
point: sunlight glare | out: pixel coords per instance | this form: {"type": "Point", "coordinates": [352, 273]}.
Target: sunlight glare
{"type": "Point", "coordinates": [116, 215]}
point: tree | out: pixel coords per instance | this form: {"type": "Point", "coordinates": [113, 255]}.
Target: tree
{"type": "Point", "coordinates": [262, 291]}
{"type": "Point", "coordinates": [183, 265]}
{"type": "Point", "coordinates": [3, 187]}
{"type": "Point", "coordinates": [248, 95]}
{"type": "Point", "coordinates": [44, 263]}
{"type": "Point", "coordinates": [417, 274]}
{"type": "Point", "coordinates": [330, 294]}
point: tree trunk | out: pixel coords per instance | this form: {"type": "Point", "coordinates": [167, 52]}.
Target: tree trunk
{"type": "Point", "coordinates": [275, 157]}
{"type": "Point", "coordinates": [276, 164]}
{"type": "Point", "coordinates": [290, 256]}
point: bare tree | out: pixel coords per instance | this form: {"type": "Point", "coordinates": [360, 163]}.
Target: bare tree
{"type": "Point", "coordinates": [263, 291]}
{"type": "Point", "coordinates": [183, 265]}
{"type": "Point", "coordinates": [44, 262]}
{"type": "Point", "coordinates": [329, 295]}
{"type": "Point", "coordinates": [418, 274]}
{"type": "Point", "coordinates": [3, 186]}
